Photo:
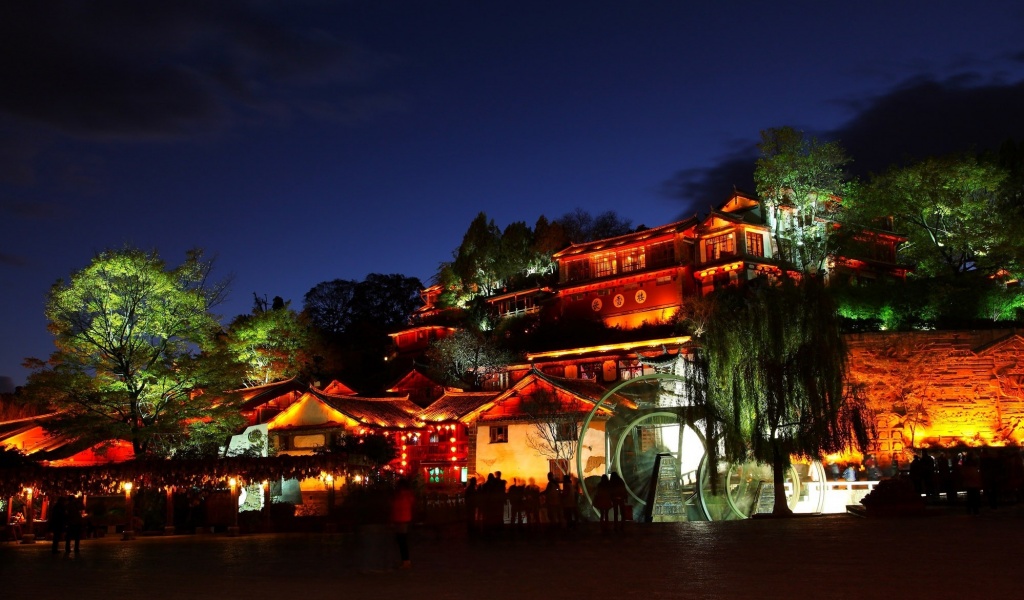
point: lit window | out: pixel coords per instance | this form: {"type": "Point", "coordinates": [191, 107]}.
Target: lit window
{"type": "Point", "coordinates": [755, 244]}
{"type": "Point", "coordinates": [719, 246]}
{"type": "Point", "coordinates": [632, 260]}
{"type": "Point", "coordinates": [604, 265]}
{"type": "Point", "coordinates": [499, 434]}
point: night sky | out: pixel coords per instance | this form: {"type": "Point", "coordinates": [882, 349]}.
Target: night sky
{"type": "Point", "coordinates": [299, 142]}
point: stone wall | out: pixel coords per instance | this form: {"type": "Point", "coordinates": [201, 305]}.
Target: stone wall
{"type": "Point", "coordinates": [941, 388]}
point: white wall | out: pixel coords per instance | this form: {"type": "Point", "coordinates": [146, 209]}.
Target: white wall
{"type": "Point", "coordinates": [517, 459]}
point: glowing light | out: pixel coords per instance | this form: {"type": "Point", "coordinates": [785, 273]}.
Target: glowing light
{"type": "Point", "coordinates": [453, 448]}
{"type": "Point", "coordinates": [609, 347]}
{"type": "Point", "coordinates": [127, 486]}
{"type": "Point", "coordinates": [232, 482]}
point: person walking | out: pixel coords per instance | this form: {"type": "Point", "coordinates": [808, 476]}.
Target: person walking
{"type": "Point", "coordinates": [618, 492]}
{"type": "Point", "coordinates": [603, 501]}
{"type": "Point", "coordinates": [57, 520]}
{"type": "Point", "coordinates": [972, 483]}
{"type": "Point", "coordinates": [401, 517]}
{"type": "Point", "coordinates": [75, 521]}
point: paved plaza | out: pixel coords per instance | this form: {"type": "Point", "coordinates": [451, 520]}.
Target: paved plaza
{"type": "Point", "coordinates": [945, 554]}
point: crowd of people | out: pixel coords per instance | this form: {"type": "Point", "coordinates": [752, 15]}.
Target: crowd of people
{"type": "Point", "coordinates": [995, 474]}
{"type": "Point", "coordinates": [494, 504]}
{"type": "Point", "coordinates": [66, 521]}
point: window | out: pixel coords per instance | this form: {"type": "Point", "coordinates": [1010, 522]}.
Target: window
{"type": "Point", "coordinates": [577, 270]}
{"type": "Point", "coordinates": [628, 369]}
{"type": "Point", "coordinates": [604, 265]}
{"type": "Point", "coordinates": [566, 432]}
{"type": "Point", "coordinates": [632, 259]}
{"type": "Point", "coordinates": [719, 246]}
{"type": "Point", "coordinates": [499, 434]}
{"type": "Point", "coordinates": [660, 254]}
{"type": "Point", "coordinates": [755, 244]}
{"type": "Point", "coordinates": [590, 371]}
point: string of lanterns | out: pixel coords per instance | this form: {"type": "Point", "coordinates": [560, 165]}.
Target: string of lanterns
{"type": "Point", "coordinates": [161, 473]}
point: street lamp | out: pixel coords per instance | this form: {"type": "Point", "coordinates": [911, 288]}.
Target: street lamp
{"type": "Point", "coordinates": [233, 530]}
{"type": "Point", "coordinates": [129, 533]}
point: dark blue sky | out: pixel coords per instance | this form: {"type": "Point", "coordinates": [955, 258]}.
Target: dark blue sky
{"type": "Point", "coordinates": [335, 139]}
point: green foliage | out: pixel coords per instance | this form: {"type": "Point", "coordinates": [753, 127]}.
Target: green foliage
{"type": "Point", "coordinates": [967, 300]}
{"type": "Point", "coordinates": [799, 179]}
{"type": "Point", "coordinates": [774, 376]}
{"type": "Point", "coordinates": [270, 342]}
{"type": "Point", "coordinates": [136, 345]}
{"type": "Point", "coordinates": [466, 359]}
{"type": "Point", "coordinates": [945, 207]}
{"type": "Point", "coordinates": [490, 260]}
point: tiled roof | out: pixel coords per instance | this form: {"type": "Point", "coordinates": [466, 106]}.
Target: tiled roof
{"type": "Point", "coordinates": [622, 240]}
{"type": "Point", "coordinates": [588, 389]}
{"type": "Point", "coordinates": [379, 412]}
{"type": "Point", "coordinates": [455, 405]}
{"type": "Point", "coordinates": [258, 396]}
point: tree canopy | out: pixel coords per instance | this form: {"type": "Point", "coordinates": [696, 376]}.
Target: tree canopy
{"type": "Point", "coordinates": [271, 342]}
{"type": "Point", "coordinates": [800, 181]}
{"type": "Point", "coordinates": [135, 350]}
{"type": "Point", "coordinates": [774, 377]}
{"type": "Point", "coordinates": [466, 359]}
{"type": "Point", "coordinates": [945, 207]}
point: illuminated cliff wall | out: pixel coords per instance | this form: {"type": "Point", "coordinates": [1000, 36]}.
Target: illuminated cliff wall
{"type": "Point", "coordinates": [941, 388]}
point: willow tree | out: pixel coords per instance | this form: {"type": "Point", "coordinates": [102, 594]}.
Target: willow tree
{"type": "Point", "coordinates": [136, 345]}
{"type": "Point", "coordinates": [776, 377]}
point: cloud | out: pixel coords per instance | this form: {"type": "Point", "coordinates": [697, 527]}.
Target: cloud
{"type": "Point", "coordinates": [924, 117]}
{"type": "Point", "coordinates": [123, 69]}
{"type": "Point", "coordinates": [34, 210]}
{"type": "Point", "coordinates": [920, 117]}
{"type": "Point", "coordinates": [12, 260]}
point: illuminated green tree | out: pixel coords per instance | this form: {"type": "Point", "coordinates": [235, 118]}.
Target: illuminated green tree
{"type": "Point", "coordinates": [800, 180]}
{"type": "Point", "coordinates": [136, 348]}
{"type": "Point", "coordinates": [271, 342]}
{"type": "Point", "coordinates": [466, 359]}
{"type": "Point", "coordinates": [774, 377]}
{"type": "Point", "coordinates": [946, 207]}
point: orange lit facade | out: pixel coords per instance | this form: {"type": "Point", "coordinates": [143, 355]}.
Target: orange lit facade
{"type": "Point", "coordinates": [627, 281]}
{"type": "Point", "coordinates": [948, 389]}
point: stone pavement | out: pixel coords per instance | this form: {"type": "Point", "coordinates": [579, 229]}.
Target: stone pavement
{"type": "Point", "coordinates": [945, 554]}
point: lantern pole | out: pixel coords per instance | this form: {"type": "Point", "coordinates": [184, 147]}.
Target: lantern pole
{"type": "Point", "coordinates": [129, 509]}
{"type": "Point", "coordinates": [169, 517]}
{"type": "Point", "coordinates": [233, 530]}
